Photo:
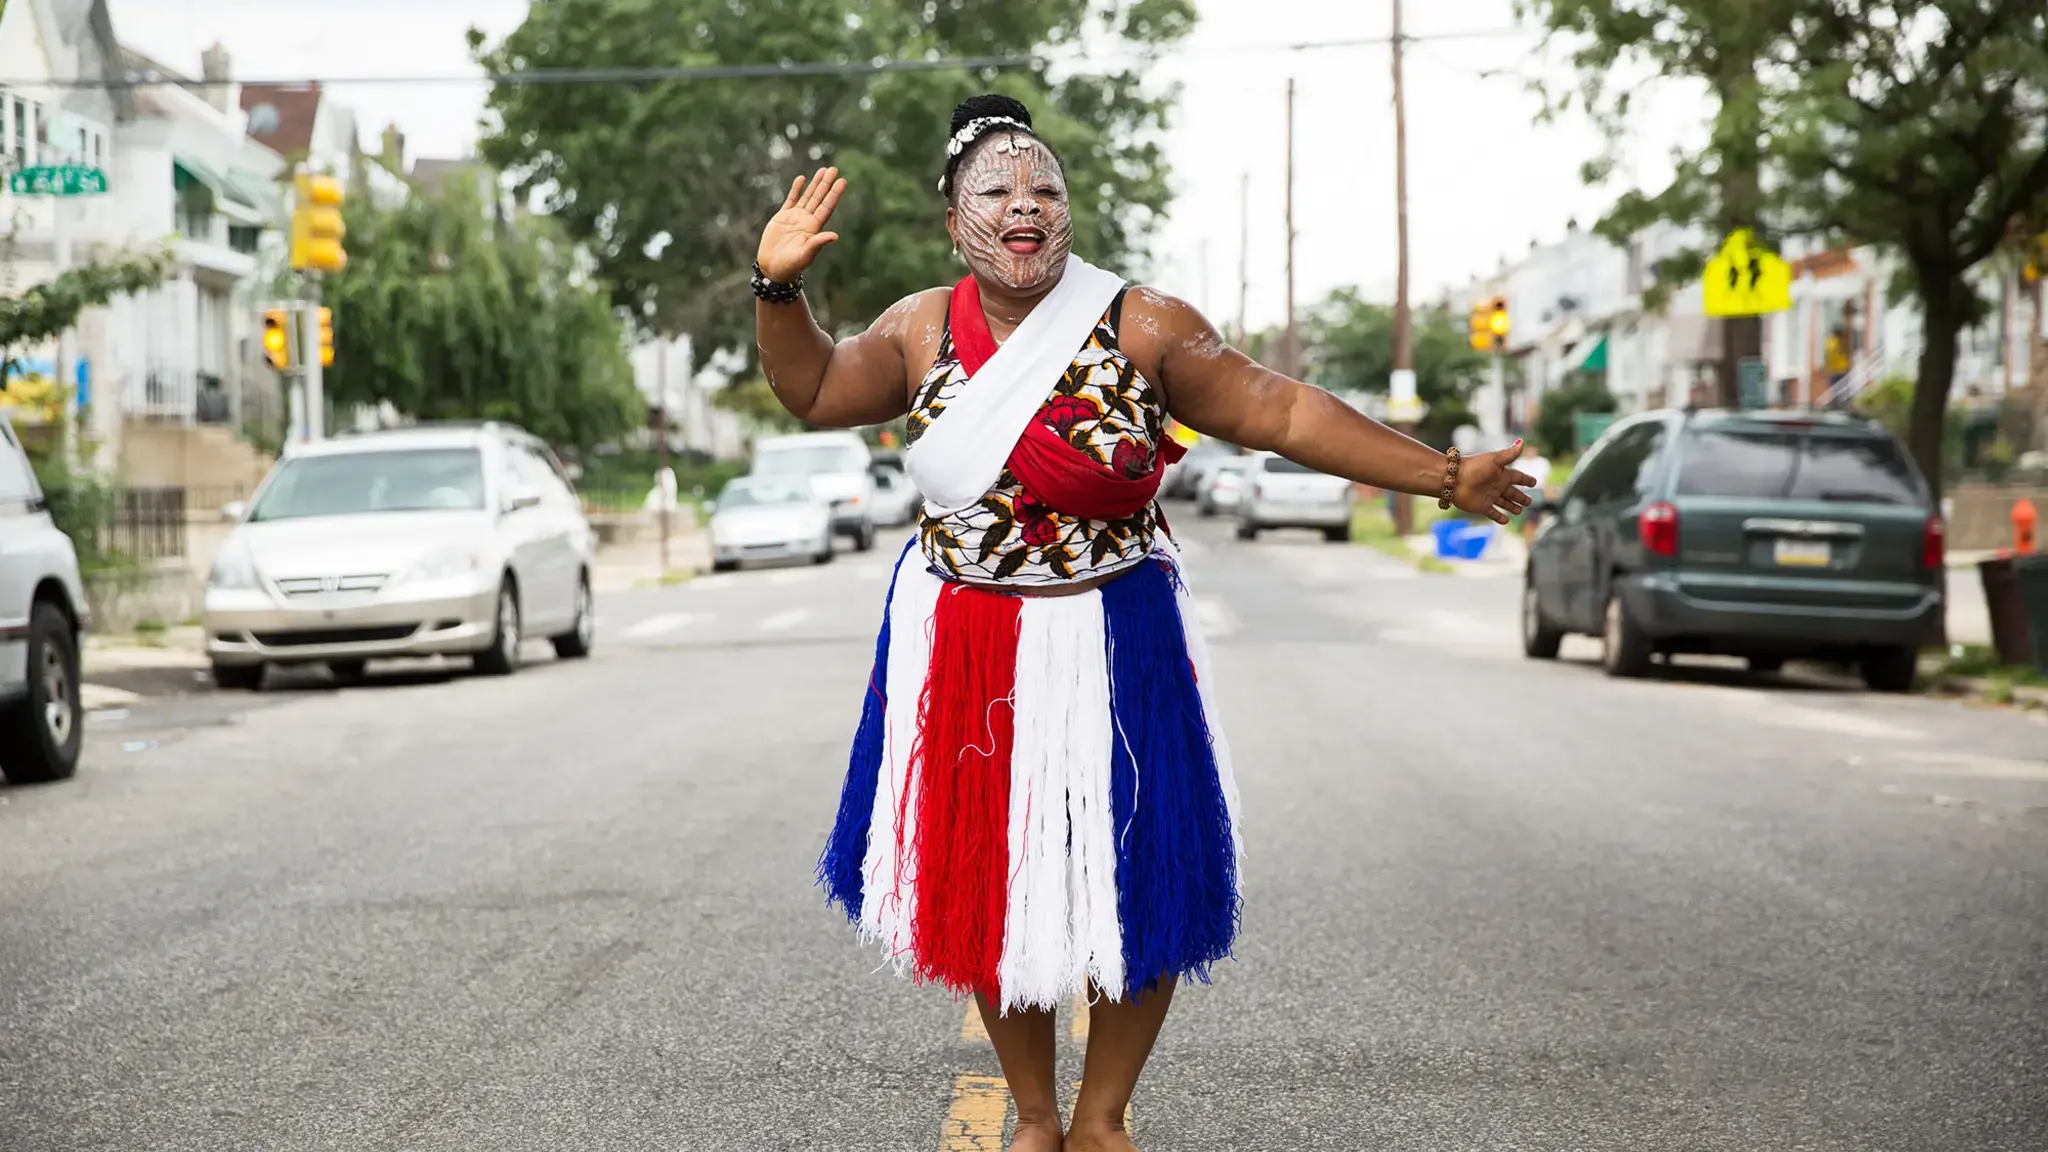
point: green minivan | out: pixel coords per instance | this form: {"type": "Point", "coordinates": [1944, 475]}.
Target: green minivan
{"type": "Point", "coordinates": [1771, 536]}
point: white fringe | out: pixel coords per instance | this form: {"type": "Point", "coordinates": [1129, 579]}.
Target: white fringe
{"type": "Point", "coordinates": [1061, 928]}
{"type": "Point", "coordinates": [887, 893]}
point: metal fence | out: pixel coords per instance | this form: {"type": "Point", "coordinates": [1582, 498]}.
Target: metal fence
{"type": "Point", "coordinates": [148, 523]}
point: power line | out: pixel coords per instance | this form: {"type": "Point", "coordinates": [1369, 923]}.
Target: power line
{"type": "Point", "coordinates": [556, 77]}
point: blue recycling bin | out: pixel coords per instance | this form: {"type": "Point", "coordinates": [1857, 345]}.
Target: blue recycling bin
{"type": "Point", "coordinates": [1461, 539]}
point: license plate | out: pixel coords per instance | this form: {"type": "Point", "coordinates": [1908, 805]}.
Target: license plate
{"type": "Point", "coordinates": [1802, 553]}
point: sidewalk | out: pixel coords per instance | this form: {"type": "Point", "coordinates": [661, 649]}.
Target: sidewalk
{"type": "Point", "coordinates": [627, 567]}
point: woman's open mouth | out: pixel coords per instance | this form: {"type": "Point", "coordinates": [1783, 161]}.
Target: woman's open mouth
{"type": "Point", "coordinates": [1024, 241]}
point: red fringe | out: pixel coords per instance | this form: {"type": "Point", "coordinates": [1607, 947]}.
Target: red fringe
{"type": "Point", "coordinates": [966, 720]}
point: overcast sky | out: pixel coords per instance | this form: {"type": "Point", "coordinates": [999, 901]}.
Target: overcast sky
{"type": "Point", "coordinates": [1484, 178]}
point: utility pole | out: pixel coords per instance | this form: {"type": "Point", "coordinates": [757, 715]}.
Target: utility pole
{"type": "Point", "coordinates": [664, 491]}
{"type": "Point", "coordinates": [1290, 350]}
{"type": "Point", "coordinates": [309, 360]}
{"type": "Point", "coordinates": [1244, 248]}
{"type": "Point", "coordinates": [1401, 388]}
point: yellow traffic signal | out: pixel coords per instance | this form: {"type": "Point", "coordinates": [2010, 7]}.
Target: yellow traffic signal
{"type": "Point", "coordinates": [1490, 325]}
{"type": "Point", "coordinates": [317, 229]}
{"type": "Point", "coordinates": [277, 338]}
{"type": "Point", "coordinates": [327, 337]}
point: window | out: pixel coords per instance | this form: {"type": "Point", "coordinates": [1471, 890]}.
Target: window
{"type": "Point", "coordinates": [807, 461]}
{"type": "Point", "coordinates": [18, 136]}
{"type": "Point", "coordinates": [17, 480]}
{"type": "Point", "coordinates": [244, 239]}
{"type": "Point", "coordinates": [1624, 467]}
{"type": "Point", "coordinates": [747, 493]}
{"type": "Point", "coordinates": [1283, 464]}
{"type": "Point", "coordinates": [1775, 464]}
{"type": "Point", "coordinates": [358, 483]}
{"type": "Point", "coordinates": [535, 471]}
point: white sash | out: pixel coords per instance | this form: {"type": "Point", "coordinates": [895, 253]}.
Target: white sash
{"type": "Point", "coordinates": [961, 455]}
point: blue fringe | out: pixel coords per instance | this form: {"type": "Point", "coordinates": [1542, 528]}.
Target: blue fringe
{"type": "Point", "coordinates": [1176, 877]}
{"type": "Point", "coordinates": [839, 869]}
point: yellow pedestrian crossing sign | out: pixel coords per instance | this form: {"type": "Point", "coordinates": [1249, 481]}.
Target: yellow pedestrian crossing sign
{"type": "Point", "coordinates": [1746, 279]}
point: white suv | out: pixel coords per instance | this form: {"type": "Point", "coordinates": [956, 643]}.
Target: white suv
{"type": "Point", "coordinates": [43, 614]}
{"type": "Point", "coordinates": [836, 465]}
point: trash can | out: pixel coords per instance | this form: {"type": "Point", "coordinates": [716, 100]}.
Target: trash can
{"type": "Point", "coordinates": [2010, 636]}
{"type": "Point", "coordinates": [2030, 575]}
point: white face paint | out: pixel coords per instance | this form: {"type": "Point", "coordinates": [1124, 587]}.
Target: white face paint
{"type": "Point", "coordinates": [1010, 217]}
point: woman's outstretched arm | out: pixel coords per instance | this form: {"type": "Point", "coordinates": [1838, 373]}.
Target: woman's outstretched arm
{"type": "Point", "coordinates": [1219, 391]}
{"type": "Point", "coordinates": [832, 384]}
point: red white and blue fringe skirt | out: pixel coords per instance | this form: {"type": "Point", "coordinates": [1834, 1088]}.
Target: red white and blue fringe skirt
{"type": "Point", "coordinates": [1040, 801]}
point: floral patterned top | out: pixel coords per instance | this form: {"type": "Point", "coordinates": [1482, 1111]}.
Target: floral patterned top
{"type": "Point", "coordinates": [1104, 408]}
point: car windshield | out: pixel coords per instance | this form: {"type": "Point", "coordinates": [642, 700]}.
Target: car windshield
{"type": "Point", "coordinates": [754, 494]}
{"type": "Point", "coordinates": [1771, 464]}
{"type": "Point", "coordinates": [808, 460]}
{"type": "Point", "coordinates": [355, 483]}
{"type": "Point", "coordinates": [1283, 464]}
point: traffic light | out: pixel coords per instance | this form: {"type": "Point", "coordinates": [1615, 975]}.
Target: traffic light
{"type": "Point", "coordinates": [277, 338]}
{"type": "Point", "coordinates": [1490, 325]}
{"type": "Point", "coordinates": [317, 230]}
{"type": "Point", "coordinates": [327, 337]}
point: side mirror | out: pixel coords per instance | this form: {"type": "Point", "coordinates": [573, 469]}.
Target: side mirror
{"type": "Point", "coordinates": [520, 499]}
{"type": "Point", "coordinates": [234, 511]}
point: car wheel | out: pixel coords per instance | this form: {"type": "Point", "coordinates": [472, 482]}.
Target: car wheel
{"type": "Point", "coordinates": [1628, 647]}
{"type": "Point", "coordinates": [1205, 510]}
{"type": "Point", "coordinates": [824, 557]}
{"type": "Point", "coordinates": [724, 565]}
{"type": "Point", "coordinates": [1337, 535]}
{"type": "Point", "coordinates": [41, 733]}
{"type": "Point", "coordinates": [865, 542]}
{"type": "Point", "coordinates": [1246, 530]}
{"type": "Point", "coordinates": [1540, 639]}
{"type": "Point", "coordinates": [576, 643]}
{"type": "Point", "coordinates": [1766, 665]}
{"type": "Point", "coordinates": [1891, 670]}
{"type": "Point", "coordinates": [502, 657]}
{"type": "Point", "coordinates": [238, 677]}
{"type": "Point", "coordinates": [348, 671]}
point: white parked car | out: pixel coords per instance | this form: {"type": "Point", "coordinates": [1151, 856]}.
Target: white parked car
{"type": "Point", "coordinates": [835, 464]}
{"type": "Point", "coordinates": [43, 617]}
{"type": "Point", "coordinates": [1278, 493]}
{"type": "Point", "coordinates": [435, 540]}
{"type": "Point", "coordinates": [1222, 481]}
{"type": "Point", "coordinates": [896, 498]}
{"type": "Point", "coordinates": [764, 518]}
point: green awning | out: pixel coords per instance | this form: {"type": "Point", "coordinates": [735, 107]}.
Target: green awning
{"type": "Point", "coordinates": [236, 195]}
{"type": "Point", "coordinates": [1590, 357]}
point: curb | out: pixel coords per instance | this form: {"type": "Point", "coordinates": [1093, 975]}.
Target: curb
{"type": "Point", "coordinates": [1987, 690]}
{"type": "Point", "coordinates": [101, 698]}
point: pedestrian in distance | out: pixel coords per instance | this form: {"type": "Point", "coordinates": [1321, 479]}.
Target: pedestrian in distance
{"type": "Point", "coordinates": [1040, 803]}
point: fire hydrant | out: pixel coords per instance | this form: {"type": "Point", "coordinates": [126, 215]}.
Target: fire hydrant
{"type": "Point", "coordinates": [2023, 516]}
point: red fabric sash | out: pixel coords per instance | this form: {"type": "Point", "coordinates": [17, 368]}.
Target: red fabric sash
{"type": "Point", "coordinates": [1052, 471]}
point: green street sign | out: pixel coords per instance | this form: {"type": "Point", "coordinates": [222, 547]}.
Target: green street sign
{"type": "Point", "coordinates": [58, 180]}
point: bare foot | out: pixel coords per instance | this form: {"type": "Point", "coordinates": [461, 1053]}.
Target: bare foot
{"type": "Point", "coordinates": [1099, 1140]}
{"type": "Point", "coordinates": [1036, 1137]}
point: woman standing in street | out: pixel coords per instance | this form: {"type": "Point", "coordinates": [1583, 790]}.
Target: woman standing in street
{"type": "Point", "coordinates": [1040, 802]}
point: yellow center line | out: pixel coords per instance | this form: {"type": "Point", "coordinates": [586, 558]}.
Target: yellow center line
{"type": "Point", "coordinates": [1079, 1026]}
{"type": "Point", "coordinates": [975, 1122]}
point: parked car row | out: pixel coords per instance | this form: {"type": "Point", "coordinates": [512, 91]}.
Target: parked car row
{"type": "Point", "coordinates": [1264, 490]}
{"type": "Point", "coordinates": [799, 482]}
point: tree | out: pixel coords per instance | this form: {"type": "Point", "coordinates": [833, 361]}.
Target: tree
{"type": "Point", "coordinates": [1720, 44]}
{"type": "Point", "coordinates": [669, 183]}
{"type": "Point", "coordinates": [1920, 126]}
{"type": "Point", "coordinates": [1557, 418]}
{"type": "Point", "coordinates": [1348, 345]}
{"type": "Point", "coordinates": [447, 312]}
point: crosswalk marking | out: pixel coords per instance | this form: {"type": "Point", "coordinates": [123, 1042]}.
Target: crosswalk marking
{"type": "Point", "coordinates": [783, 578]}
{"type": "Point", "coordinates": [710, 583]}
{"type": "Point", "coordinates": [783, 621]}
{"type": "Point", "coordinates": [660, 624]}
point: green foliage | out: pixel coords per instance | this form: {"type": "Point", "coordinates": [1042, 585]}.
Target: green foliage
{"type": "Point", "coordinates": [49, 309]}
{"type": "Point", "coordinates": [1890, 403]}
{"type": "Point", "coordinates": [1920, 126]}
{"type": "Point", "coordinates": [81, 502]}
{"type": "Point", "coordinates": [670, 184]}
{"type": "Point", "coordinates": [750, 398]}
{"type": "Point", "coordinates": [1348, 344]}
{"type": "Point", "coordinates": [1558, 410]}
{"type": "Point", "coordinates": [447, 312]}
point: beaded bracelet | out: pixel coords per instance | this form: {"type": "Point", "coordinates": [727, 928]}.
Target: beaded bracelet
{"type": "Point", "coordinates": [775, 291]}
{"type": "Point", "coordinates": [1451, 460]}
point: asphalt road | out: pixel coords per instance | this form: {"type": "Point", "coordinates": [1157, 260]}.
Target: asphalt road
{"type": "Point", "coordinates": [1492, 904]}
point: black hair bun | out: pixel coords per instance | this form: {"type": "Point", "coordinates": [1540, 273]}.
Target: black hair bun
{"type": "Point", "coordinates": [986, 106]}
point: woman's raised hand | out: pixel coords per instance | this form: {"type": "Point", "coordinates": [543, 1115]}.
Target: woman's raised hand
{"type": "Point", "coordinates": [793, 238]}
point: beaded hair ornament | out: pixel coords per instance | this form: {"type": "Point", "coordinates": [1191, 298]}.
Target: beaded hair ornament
{"type": "Point", "coordinates": [971, 131]}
